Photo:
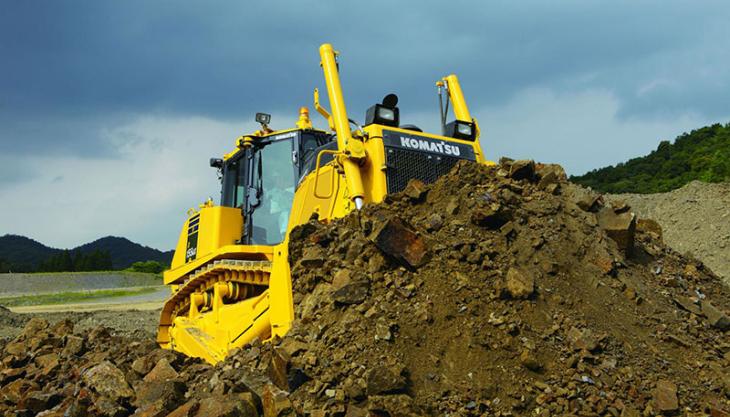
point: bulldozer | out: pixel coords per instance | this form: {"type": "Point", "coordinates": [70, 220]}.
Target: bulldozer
{"type": "Point", "coordinates": [230, 275]}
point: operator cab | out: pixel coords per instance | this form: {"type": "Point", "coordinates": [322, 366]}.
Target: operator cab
{"type": "Point", "coordinates": [261, 179]}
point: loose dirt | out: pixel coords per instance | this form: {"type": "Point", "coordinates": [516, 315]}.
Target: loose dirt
{"type": "Point", "coordinates": [695, 220]}
{"type": "Point", "coordinates": [497, 291]}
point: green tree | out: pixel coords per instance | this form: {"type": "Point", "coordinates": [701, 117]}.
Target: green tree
{"type": "Point", "coordinates": [151, 267]}
{"type": "Point", "coordinates": [703, 154]}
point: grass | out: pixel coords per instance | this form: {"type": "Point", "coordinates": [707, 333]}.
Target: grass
{"type": "Point", "coordinates": [72, 297]}
{"type": "Point", "coordinates": [119, 272]}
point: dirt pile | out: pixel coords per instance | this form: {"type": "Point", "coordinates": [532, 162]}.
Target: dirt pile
{"type": "Point", "coordinates": [496, 291]}
{"type": "Point", "coordinates": [695, 219]}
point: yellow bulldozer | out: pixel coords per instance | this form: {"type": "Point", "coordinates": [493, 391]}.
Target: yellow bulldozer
{"type": "Point", "coordinates": [230, 275]}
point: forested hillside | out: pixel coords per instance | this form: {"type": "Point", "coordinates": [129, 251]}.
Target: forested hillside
{"type": "Point", "coordinates": [703, 154]}
{"type": "Point", "coordinates": [22, 254]}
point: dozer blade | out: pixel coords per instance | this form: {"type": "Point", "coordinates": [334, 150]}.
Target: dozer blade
{"type": "Point", "coordinates": [221, 306]}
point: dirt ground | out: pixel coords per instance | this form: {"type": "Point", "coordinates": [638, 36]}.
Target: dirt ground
{"type": "Point", "coordinates": [141, 320]}
{"type": "Point", "coordinates": [695, 220]}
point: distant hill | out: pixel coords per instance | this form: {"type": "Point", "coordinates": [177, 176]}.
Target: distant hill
{"type": "Point", "coordinates": [703, 154]}
{"type": "Point", "coordinates": [22, 254]}
{"type": "Point", "coordinates": [124, 252]}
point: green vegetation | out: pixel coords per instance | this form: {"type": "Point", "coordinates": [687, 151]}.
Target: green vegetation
{"type": "Point", "coordinates": [150, 267]}
{"type": "Point", "coordinates": [703, 154]}
{"type": "Point", "coordinates": [72, 297]}
{"type": "Point", "coordinates": [67, 261]}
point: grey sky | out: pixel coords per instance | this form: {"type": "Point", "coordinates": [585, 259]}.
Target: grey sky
{"type": "Point", "coordinates": [109, 110]}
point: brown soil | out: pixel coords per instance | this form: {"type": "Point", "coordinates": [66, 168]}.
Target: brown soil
{"type": "Point", "coordinates": [496, 291]}
{"type": "Point", "coordinates": [695, 220]}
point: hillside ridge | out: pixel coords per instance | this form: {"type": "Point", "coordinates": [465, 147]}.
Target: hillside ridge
{"type": "Point", "coordinates": [23, 254]}
{"type": "Point", "coordinates": [703, 154]}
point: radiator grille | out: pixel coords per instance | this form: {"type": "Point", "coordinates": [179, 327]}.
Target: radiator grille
{"type": "Point", "coordinates": [404, 165]}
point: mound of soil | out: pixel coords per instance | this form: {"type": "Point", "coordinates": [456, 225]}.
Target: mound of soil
{"type": "Point", "coordinates": [498, 290]}
{"type": "Point", "coordinates": [695, 220]}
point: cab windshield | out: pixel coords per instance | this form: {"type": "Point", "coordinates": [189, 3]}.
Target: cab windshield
{"type": "Point", "coordinates": [277, 182]}
{"type": "Point", "coordinates": [261, 182]}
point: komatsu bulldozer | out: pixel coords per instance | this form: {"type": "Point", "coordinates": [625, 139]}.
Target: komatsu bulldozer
{"type": "Point", "coordinates": [230, 275]}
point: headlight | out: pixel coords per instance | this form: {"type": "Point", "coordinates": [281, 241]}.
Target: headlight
{"type": "Point", "coordinates": [382, 115]}
{"type": "Point", "coordinates": [464, 129]}
{"type": "Point", "coordinates": [386, 114]}
{"type": "Point", "coordinates": [461, 130]}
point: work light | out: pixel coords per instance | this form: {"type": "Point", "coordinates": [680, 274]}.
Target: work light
{"type": "Point", "coordinates": [461, 130]}
{"type": "Point", "coordinates": [263, 118]}
{"type": "Point", "coordinates": [384, 114]}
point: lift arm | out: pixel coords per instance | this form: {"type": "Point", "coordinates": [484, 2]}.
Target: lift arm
{"type": "Point", "coordinates": [352, 150]}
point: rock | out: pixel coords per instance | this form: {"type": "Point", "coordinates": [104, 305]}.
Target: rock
{"type": "Point", "coordinates": [518, 284]}
{"type": "Point", "coordinates": [303, 231]}
{"type": "Point", "coordinates": [582, 339]}
{"type": "Point", "coordinates": [629, 411]}
{"type": "Point", "coordinates": [161, 372]}
{"type": "Point", "coordinates": [715, 317]}
{"type": "Point", "coordinates": [254, 382]}
{"type": "Point", "coordinates": [282, 372]}
{"type": "Point", "coordinates": [74, 346]}
{"type": "Point", "coordinates": [398, 240]}
{"type": "Point", "coordinates": [341, 278]}
{"type": "Point", "coordinates": [549, 174]}
{"type": "Point", "coordinates": [620, 206]}
{"type": "Point", "coordinates": [313, 257]}
{"type": "Point", "coordinates": [13, 392]}
{"type": "Point", "coordinates": [292, 346]}
{"type": "Point", "coordinates": [452, 207]}
{"type": "Point", "coordinates": [665, 397]}
{"type": "Point", "coordinates": [352, 293]}
{"type": "Point", "coordinates": [38, 401]}
{"type": "Point", "coordinates": [619, 227]}
{"type": "Point", "coordinates": [522, 169]}
{"type": "Point", "coordinates": [716, 412]}
{"type": "Point", "coordinates": [230, 405]}
{"type": "Point", "coordinates": [144, 364]}
{"type": "Point", "coordinates": [649, 225]}
{"type": "Point", "coordinates": [11, 374]}
{"type": "Point", "coordinates": [33, 327]}
{"type": "Point", "coordinates": [278, 370]}
{"type": "Point", "coordinates": [98, 333]}
{"type": "Point", "coordinates": [276, 402]}
{"type": "Point", "coordinates": [355, 411]}
{"type": "Point", "coordinates": [167, 394]}
{"type": "Point", "coordinates": [382, 332]}
{"type": "Point", "coordinates": [107, 380]}
{"type": "Point", "coordinates": [415, 190]}
{"type": "Point", "coordinates": [587, 200]}
{"type": "Point", "coordinates": [189, 409]}
{"type": "Point", "coordinates": [62, 328]}
{"type": "Point", "coordinates": [391, 405]}
{"type": "Point", "coordinates": [383, 379]}
{"type": "Point", "coordinates": [688, 304]}
{"type": "Point", "coordinates": [529, 361]}
{"type": "Point", "coordinates": [47, 363]}
{"type": "Point", "coordinates": [16, 348]}
{"type": "Point", "coordinates": [492, 216]}
{"type": "Point", "coordinates": [108, 408]}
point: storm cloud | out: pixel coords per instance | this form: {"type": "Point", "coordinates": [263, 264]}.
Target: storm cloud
{"type": "Point", "coordinates": [103, 89]}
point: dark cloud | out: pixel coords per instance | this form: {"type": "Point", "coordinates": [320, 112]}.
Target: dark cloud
{"type": "Point", "coordinates": [71, 70]}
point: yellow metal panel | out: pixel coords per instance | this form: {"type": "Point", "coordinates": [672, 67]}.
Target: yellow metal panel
{"type": "Point", "coordinates": [281, 310]}
{"type": "Point", "coordinates": [219, 226]}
